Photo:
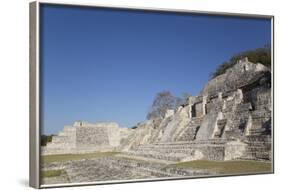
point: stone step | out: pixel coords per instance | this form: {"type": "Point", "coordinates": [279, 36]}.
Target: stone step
{"type": "Point", "coordinates": [174, 157]}
{"type": "Point", "coordinates": [145, 159]}
{"type": "Point", "coordinates": [67, 133]}
{"type": "Point", "coordinates": [166, 150]}
{"type": "Point", "coordinates": [256, 156]}
{"type": "Point", "coordinates": [195, 120]}
{"type": "Point", "coordinates": [244, 107]}
{"type": "Point", "coordinates": [69, 129]}
{"type": "Point", "coordinates": [62, 139]}
{"type": "Point", "coordinates": [181, 151]}
{"type": "Point", "coordinates": [220, 127]}
{"type": "Point", "coordinates": [189, 133]}
{"type": "Point", "coordinates": [221, 121]}
{"type": "Point", "coordinates": [184, 146]}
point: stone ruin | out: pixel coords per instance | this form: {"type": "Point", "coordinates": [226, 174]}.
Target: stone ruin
{"type": "Point", "coordinates": [84, 137]}
{"type": "Point", "coordinates": [230, 119]}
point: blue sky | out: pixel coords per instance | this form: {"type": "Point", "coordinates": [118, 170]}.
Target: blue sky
{"type": "Point", "coordinates": [107, 65]}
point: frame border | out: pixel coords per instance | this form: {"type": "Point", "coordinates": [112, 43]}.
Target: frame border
{"type": "Point", "coordinates": [34, 94]}
{"type": "Point", "coordinates": [35, 89]}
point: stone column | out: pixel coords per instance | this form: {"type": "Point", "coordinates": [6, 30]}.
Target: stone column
{"type": "Point", "coordinates": [220, 96]}
{"type": "Point", "coordinates": [191, 105]}
{"type": "Point", "coordinates": [249, 125]}
{"type": "Point", "coordinates": [238, 96]}
{"type": "Point", "coordinates": [190, 111]}
{"type": "Point", "coordinates": [204, 103]}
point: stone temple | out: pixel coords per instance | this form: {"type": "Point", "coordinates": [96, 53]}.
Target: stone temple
{"type": "Point", "coordinates": [230, 119]}
{"type": "Point", "coordinates": [84, 137]}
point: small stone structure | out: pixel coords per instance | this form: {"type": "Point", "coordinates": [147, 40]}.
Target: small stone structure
{"type": "Point", "coordinates": [230, 119]}
{"type": "Point", "coordinates": [84, 137]}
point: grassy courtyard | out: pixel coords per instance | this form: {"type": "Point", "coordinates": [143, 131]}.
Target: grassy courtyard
{"type": "Point", "coordinates": [52, 173]}
{"type": "Point", "coordinates": [69, 157]}
{"type": "Point", "coordinates": [54, 176]}
{"type": "Point", "coordinates": [228, 167]}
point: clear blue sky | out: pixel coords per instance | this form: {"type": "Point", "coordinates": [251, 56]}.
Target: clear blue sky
{"type": "Point", "coordinates": [108, 65]}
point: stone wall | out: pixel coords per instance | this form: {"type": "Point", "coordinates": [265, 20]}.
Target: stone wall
{"type": "Point", "coordinates": [240, 74]}
{"type": "Point", "coordinates": [85, 137]}
{"type": "Point", "coordinates": [102, 134]}
{"type": "Point", "coordinates": [233, 107]}
{"type": "Point", "coordinates": [91, 136]}
{"type": "Point", "coordinates": [180, 151]}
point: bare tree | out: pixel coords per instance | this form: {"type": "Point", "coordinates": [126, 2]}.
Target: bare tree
{"type": "Point", "coordinates": [185, 98]}
{"type": "Point", "coordinates": [163, 101]}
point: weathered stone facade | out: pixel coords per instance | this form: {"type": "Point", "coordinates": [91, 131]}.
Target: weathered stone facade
{"type": "Point", "coordinates": [230, 119]}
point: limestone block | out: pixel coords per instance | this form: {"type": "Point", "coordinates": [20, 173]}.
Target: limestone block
{"type": "Point", "coordinates": [199, 110]}
{"type": "Point", "coordinates": [207, 126]}
{"type": "Point", "coordinates": [240, 74]}
{"type": "Point", "coordinates": [234, 150]}
{"type": "Point", "coordinates": [169, 113]}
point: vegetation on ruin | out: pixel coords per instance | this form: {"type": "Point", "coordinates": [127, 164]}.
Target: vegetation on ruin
{"type": "Point", "coordinates": [69, 157]}
{"type": "Point", "coordinates": [259, 55]}
{"type": "Point", "coordinates": [46, 139]}
{"type": "Point", "coordinates": [228, 167]}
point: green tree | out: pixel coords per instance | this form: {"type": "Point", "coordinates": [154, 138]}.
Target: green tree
{"type": "Point", "coordinates": [259, 55]}
{"type": "Point", "coordinates": [45, 139]}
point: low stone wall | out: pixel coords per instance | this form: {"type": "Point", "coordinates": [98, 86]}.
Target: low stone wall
{"type": "Point", "coordinates": [181, 151]}
{"type": "Point", "coordinates": [119, 168]}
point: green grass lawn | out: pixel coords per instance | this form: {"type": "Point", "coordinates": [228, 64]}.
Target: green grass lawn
{"type": "Point", "coordinates": [54, 176]}
{"type": "Point", "coordinates": [228, 167]}
{"type": "Point", "coordinates": [68, 157]}
{"type": "Point", "coordinates": [52, 173]}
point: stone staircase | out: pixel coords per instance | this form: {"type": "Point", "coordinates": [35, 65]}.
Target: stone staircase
{"type": "Point", "coordinates": [190, 131]}
{"type": "Point", "coordinates": [65, 137]}
{"type": "Point", "coordinates": [258, 148]}
{"type": "Point", "coordinates": [220, 128]}
{"type": "Point", "coordinates": [180, 151]}
{"type": "Point", "coordinates": [237, 121]}
{"type": "Point", "coordinates": [64, 142]}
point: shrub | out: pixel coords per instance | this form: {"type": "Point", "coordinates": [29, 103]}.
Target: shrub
{"type": "Point", "coordinates": [45, 139]}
